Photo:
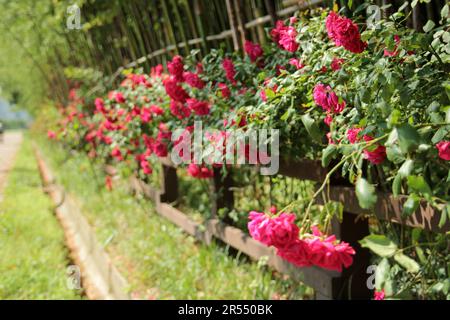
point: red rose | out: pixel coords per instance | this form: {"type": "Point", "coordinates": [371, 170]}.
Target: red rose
{"type": "Point", "coordinates": [253, 50]}
{"type": "Point", "coordinates": [444, 150]}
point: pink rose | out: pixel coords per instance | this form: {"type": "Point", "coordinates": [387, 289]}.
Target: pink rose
{"type": "Point", "coordinates": [156, 110]}
{"type": "Point", "coordinates": [230, 71]}
{"type": "Point", "coordinates": [296, 253]}
{"type": "Point", "coordinates": [118, 96]}
{"type": "Point", "coordinates": [146, 115]}
{"type": "Point", "coordinates": [193, 80]}
{"type": "Point", "coordinates": [263, 95]}
{"type": "Point", "coordinates": [200, 172]}
{"type": "Point", "coordinates": [100, 105]}
{"type": "Point", "coordinates": [336, 64]}
{"type": "Point", "coordinates": [284, 36]}
{"type": "Point", "coordinates": [282, 230]}
{"type": "Point", "coordinates": [388, 53]}
{"type": "Point", "coordinates": [179, 110]}
{"type": "Point", "coordinates": [226, 93]}
{"type": "Point", "coordinates": [257, 227]}
{"type": "Point", "coordinates": [328, 254]}
{"type": "Point", "coordinates": [328, 119]}
{"type": "Point", "coordinates": [115, 153]}
{"type": "Point", "coordinates": [344, 33]}
{"type": "Point", "coordinates": [379, 295]}
{"type": "Point", "coordinates": [376, 156]}
{"type": "Point", "coordinates": [444, 150]}
{"type": "Point", "coordinates": [296, 63]}
{"type": "Point", "coordinates": [352, 135]}
{"type": "Point", "coordinates": [287, 39]}
{"type": "Point", "coordinates": [327, 99]}
{"type": "Point", "coordinates": [51, 134]}
{"type": "Point", "coordinates": [200, 108]}
{"type": "Point", "coordinates": [253, 50]}
{"type": "Point", "coordinates": [146, 168]}
{"type": "Point", "coordinates": [176, 68]}
{"type": "Point", "coordinates": [156, 71]}
{"type": "Point", "coordinates": [175, 91]}
{"type": "Point", "coordinates": [160, 149]}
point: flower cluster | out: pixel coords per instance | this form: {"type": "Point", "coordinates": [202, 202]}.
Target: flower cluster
{"type": "Point", "coordinates": [253, 50]}
{"type": "Point", "coordinates": [285, 36]}
{"type": "Point", "coordinates": [310, 250]}
{"type": "Point", "coordinates": [345, 33]}
{"type": "Point", "coordinates": [375, 153]}
{"type": "Point", "coordinates": [444, 149]}
{"type": "Point", "coordinates": [327, 99]}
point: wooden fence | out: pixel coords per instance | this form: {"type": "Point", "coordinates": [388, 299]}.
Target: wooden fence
{"type": "Point", "coordinates": [349, 284]}
{"type": "Point", "coordinates": [240, 28]}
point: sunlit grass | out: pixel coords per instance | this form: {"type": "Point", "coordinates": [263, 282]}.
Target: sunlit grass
{"type": "Point", "coordinates": [33, 258]}
{"type": "Point", "coordinates": [157, 258]}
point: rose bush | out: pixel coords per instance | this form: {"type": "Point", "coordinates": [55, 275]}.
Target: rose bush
{"type": "Point", "coordinates": [373, 104]}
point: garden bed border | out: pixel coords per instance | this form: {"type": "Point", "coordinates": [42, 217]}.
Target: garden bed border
{"type": "Point", "coordinates": [100, 278]}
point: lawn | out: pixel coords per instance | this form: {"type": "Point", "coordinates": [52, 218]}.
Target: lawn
{"type": "Point", "coordinates": [33, 257]}
{"type": "Point", "coordinates": [157, 258]}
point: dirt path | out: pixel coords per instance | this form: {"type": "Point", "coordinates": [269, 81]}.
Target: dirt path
{"type": "Point", "coordinates": [8, 150]}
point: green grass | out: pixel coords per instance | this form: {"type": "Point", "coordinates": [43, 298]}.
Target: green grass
{"type": "Point", "coordinates": [157, 258]}
{"type": "Point", "coordinates": [33, 258]}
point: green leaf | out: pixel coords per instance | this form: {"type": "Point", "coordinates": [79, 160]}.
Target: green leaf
{"type": "Point", "coordinates": [411, 205]}
{"type": "Point", "coordinates": [406, 168]}
{"type": "Point", "coordinates": [394, 154]}
{"type": "Point", "coordinates": [312, 127]}
{"type": "Point", "coordinates": [447, 114]}
{"type": "Point", "coordinates": [444, 214]}
{"type": "Point", "coordinates": [429, 26]}
{"type": "Point", "coordinates": [381, 273]}
{"type": "Point", "coordinates": [408, 138]}
{"type": "Point", "coordinates": [406, 262]}
{"type": "Point", "coordinates": [397, 185]}
{"type": "Point", "coordinates": [380, 245]}
{"type": "Point", "coordinates": [350, 4]}
{"type": "Point", "coordinates": [365, 193]}
{"type": "Point", "coordinates": [440, 134]}
{"type": "Point", "coordinates": [421, 255]}
{"type": "Point", "coordinates": [285, 116]}
{"type": "Point", "coordinates": [328, 153]}
{"type": "Point", "coordinates": [444, 11]}
{"type": "Point", "coordinates": [419, 185]}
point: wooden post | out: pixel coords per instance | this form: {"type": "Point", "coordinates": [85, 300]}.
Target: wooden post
{"type": "Point", "coordinates": [169, 184]}
{"type": "Point", "coordinates": [222, 195]}
{"type": "Point", "coordinates": [353, 281]}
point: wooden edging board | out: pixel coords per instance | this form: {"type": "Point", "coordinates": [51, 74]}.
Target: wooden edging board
{"type": "Point", "coordinates": [388, 207]}
{"type": "Point", "coordinates": [100, 279]}
{"type": "Point", "coordinates": [321, 280]}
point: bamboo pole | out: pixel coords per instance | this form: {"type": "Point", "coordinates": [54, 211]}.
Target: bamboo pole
{"type": "Point", "coordinates": [198, 17]}
{"type": "Point", "coordinates": [270, 7]}
{"type": "Point", "coordinates": [169, 25]}
{"type": "Point", "coordinates": [243, 33]}
{"type": "Point", "coordinates": [233, 24]}
{"type": "Point", "coordinates": [180, 25]}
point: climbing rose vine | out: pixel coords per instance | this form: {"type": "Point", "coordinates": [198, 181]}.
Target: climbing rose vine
{"type": "Point", "coordinates": [371, 104]}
